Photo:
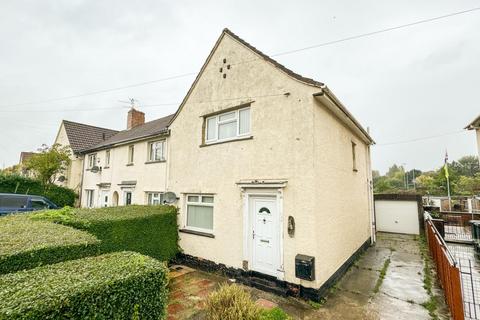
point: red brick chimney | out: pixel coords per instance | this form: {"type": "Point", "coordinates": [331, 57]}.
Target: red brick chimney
{"type": "Point", "coordinates": [135, 118]}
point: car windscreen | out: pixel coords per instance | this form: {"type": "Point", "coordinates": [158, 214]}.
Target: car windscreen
{"type": "Point", "coordinates": [13, 202]}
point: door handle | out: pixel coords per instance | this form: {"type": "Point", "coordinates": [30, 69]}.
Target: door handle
{"type": "Point", "coordinates": [253, 234]}
{"type": "Point", "coordinates": [266, 241]}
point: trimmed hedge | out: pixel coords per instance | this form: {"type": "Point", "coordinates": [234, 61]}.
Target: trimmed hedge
{"type": "Point", "coordinates": [150, 230]}
{"type": "Point", "coordinates": [122, 285]}
{"type": "Point", "coordinates": [59, 195]}
{"type": "Point", "coordinates": [26, 244]}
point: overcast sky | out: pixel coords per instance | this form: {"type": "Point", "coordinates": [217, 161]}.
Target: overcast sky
{"type": "Point", "coordinates": [405, 84]}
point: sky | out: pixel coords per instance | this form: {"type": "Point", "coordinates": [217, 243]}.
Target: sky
{"type": "Point", "coordinates": [404, 85]}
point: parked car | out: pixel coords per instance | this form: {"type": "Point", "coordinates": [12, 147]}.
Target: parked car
{"type": "Point", "coordinates": [11, 202]}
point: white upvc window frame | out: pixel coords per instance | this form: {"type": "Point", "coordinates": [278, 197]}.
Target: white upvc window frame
{"type": "Point", "coordinates": [151, 154]}
{"type": "Point", "coordinates": [108, 154]}
{"type": "Point", "coordinates": [199, 203]}
{"type": "Point", "coordinates": [219, 122]}
{"type": "Point", "coordinates": [90, 195]}
{"type": "Point", "coordinates": [131, 154]}
{"type": "Point", "coordinates": [153, 196]}
{"type": "Point", "coordinates": [92, 160]}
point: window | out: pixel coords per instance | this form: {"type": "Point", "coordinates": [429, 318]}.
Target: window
{"type": "Point", "coordinates": [156, 151]}
{"type": "Point", "coordinates": [155, 198]}
{"type": "Point", "coordinates": [39, 204]}
{"type": "Point", "coordinates": [107, 158]}
{"type": "Point", "coordinates": [200, 213]}
{"type": "Point", "coordinates": [131, 151]}
{"type": "Point", "coordinates": [228, 125]}
{"type": "Point", "coordinates": [354, 156]}
{"type": "Point", "coordinates": [128, 198]}
{"type": "Point", "coordinates": [92, 160]}
{"type": "Point", "coordinates": [89, 198]}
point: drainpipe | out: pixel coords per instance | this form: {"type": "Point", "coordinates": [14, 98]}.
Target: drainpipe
{"type": "Point", "coordinates": [81, 181]}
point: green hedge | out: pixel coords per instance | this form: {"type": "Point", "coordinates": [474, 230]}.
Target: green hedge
{"type": "Point", "coordinates": [122, 285]}
{"type": "Point", "coordinates": [9, 183]}
{"type": "Point", "coordinates": [150, 230]}
{"type": "Point", "coordinates": [26, 244]}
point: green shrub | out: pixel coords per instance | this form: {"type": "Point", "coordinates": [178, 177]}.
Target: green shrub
{"type": "Point", "coordinates": [274, 314]}
{"type": "Point", "coordinates": [122, 285]}
{"type": "Point", "coordinates": [26, 244]}
{"type": "Point", "coordinates": [12, 183]}
{"type": "Point", "coordinates": [150, 230]}
{"type": "Point", "coordinates": [231, 302]}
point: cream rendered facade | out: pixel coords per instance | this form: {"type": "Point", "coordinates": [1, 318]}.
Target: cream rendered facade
{"type": "Point", "coordinates": [119, 177]}
{"type": "Point", "coordinates": [298, 155]}
{"type": "Point", "coordinates": [73, 174]}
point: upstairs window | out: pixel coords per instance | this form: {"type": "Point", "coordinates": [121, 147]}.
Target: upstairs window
{"type": "Point", "coordinates": [228, 125]}
{"type": "Point", "coordinates": [156, 151]}
{"type": "Point", "coordinates": [92, 160]}
{"type": "Point", "coordinates": [107, 158]}
{"type": "Point", "coordinates": [354, 156]}
{"type": "Point", "coordinates": [131, 152]}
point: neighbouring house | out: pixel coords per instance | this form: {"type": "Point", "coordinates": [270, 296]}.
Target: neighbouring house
{"type": "Point", "coordinates": [475, 125]}
{"type": "Point", "coordinates": [78, 137]}
{"type": "Point", "coordinates": [24, 156]}
{"type": "Point", "coordinates": [129, 167]}
{"type": "Point", "coordinates": [263, 160]}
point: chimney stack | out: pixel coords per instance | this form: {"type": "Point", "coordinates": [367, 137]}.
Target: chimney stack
{"type": "Point", "coordinates": [135, 118]}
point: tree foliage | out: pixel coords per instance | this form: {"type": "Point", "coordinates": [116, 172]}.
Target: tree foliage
{"type": "Point", "coordinates": [49, 163]}
{"type": "Point", "coordinates": [464, 176]}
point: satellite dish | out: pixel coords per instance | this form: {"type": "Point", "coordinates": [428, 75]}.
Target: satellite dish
{"type": "Point", "coordinates": [94, 169]}
{"type": "Point", "coordinates": [170, 197]}
{"type": "Point", "coordinates": [61, 178]}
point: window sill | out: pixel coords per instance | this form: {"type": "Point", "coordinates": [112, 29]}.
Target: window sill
{"type": "Point", "coordinates": [155, 161]}
{"type": "Point", "coordinates": [226, 141]}
{"type": "Point", "coordinates": [129, 164]}
{"type": "Point", "coordinates": [198, 233]}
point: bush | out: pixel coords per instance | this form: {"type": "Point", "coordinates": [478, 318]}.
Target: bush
{"type": "Point", "coordinates": [13, 183]}
{"type": "Point", "coordinates": [274, 314]}
{"type": "Point", "coordinates": [150, 230]}
{"type": "Point", "coordinates": [27, 244]}
{"type": "Point", "coordinates": [230, 302]}
{"type": "Point", "coordinates": [122, 285]}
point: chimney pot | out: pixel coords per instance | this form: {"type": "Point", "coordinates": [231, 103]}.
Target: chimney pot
{"type": "Point", "coordinates": [135, 118]}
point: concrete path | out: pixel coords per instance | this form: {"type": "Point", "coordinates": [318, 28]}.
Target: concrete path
{"type": "Point", "coordinates": [387, 282]}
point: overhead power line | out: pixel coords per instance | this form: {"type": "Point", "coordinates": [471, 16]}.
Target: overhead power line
{"type": "Point", "coordinates": [358, 36]}
{"type": "Point", "coordinates": [421, 138]}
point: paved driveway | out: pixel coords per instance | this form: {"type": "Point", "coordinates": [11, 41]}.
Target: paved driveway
{"type": "Point", "coordinates": [387, 282]}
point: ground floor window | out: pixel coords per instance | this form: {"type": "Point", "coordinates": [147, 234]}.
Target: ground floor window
{"type": "Point", "coordinates": [199, 212]}
{"type": "Point", "coordinates": [155, 198]}
{"type": "Point", "coordinates": [128, 198]}
{"type": "Point", "coordinates": [90, 198]}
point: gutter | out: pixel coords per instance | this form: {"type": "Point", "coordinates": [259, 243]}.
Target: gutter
{"type": "Point", "coordinates": [325, 92]}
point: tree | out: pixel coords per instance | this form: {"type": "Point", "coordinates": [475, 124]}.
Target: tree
{"type": "Point", "coordinates": [466, 166]}
{"type": "Point", "coordinates": [48, 163]}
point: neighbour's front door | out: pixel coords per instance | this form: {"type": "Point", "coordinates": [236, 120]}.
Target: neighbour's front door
{"type": "Point", "coordinates": [265, 234]}
{"type": "Point", "coordinates": [104, 198]}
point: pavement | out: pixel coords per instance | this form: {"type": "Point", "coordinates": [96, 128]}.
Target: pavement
{"type": "Point", "coordinates": [386, 282]}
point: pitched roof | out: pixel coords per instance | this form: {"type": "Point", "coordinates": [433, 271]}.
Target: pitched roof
{"type": "Point", "coordinates": [474, 124]}
{"type": "Point", "coordinates": [25, 156]}
{"type": "Point", "coordinates": [274, 62]}
{"type": "Point", "coordinates": [82, 136]}
{"type": "Point", "coordinates": [145, 130]}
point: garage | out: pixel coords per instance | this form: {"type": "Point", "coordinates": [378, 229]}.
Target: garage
{"type": "Point", "coordinates": [397, 213]}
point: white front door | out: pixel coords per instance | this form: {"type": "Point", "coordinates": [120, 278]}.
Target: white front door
{"type": "Point", "coordinates": [103, 198]}
{"type": "Point", "coordinates": [265, 234]}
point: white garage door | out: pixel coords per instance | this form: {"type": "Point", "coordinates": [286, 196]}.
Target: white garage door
{"type": "Point", "coordinates": [397, 216]}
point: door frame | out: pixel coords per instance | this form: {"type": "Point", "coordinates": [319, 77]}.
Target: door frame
{"type": "Point", "coordinates": [248, 194]}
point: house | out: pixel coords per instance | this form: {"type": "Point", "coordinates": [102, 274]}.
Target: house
{"type": "Point", "coordinates": [262, 160]}
{"type": "Point", "coordinates": [78, 136]}
{"type": "Point", "coordinates": [475, 125]}
{"type": "Point", "coordinates": [24, 156]}
{"type": "Point", "coordinates": [129, 167]}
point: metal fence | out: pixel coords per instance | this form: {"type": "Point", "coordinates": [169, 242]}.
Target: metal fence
{"type": "Point", "coordinates": [447, 270]}
{"type": "Point", "coordinates": [457, 226]}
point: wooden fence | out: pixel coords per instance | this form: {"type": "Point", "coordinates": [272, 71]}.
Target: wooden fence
{"type": "Point", "coordinates": [447, 270]}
